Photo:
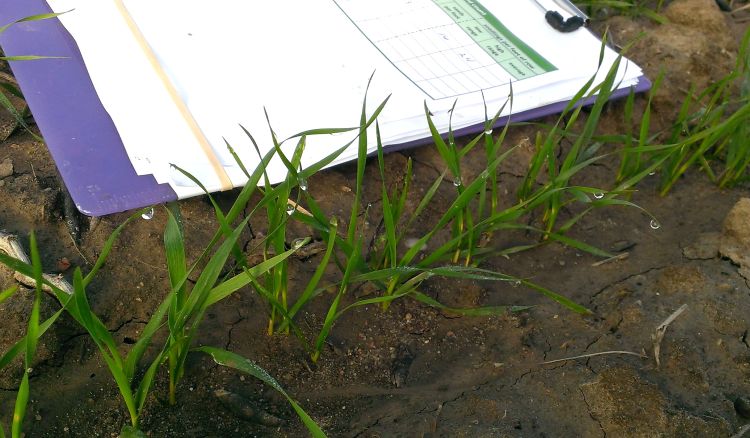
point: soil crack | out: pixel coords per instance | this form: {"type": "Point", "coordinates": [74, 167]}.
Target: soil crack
{"type": "Point", "coordinates": [624, 279]}
{"type": "Point", "coordinates": [588, 409]}
{"type": "Point", "coordinates": [591, 344]}
{"type": "Point", "coordinates": [536, 370]}
{"type": "Point", "coordinates": [129, 321]}
{"type": "Point", "coordinates": [231, 328]}
{"type": "Point", "coordinates": [546, 350]}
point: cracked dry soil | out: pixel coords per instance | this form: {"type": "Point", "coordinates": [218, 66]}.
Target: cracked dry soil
{"type": "Point", "coordinates": [414, 370]}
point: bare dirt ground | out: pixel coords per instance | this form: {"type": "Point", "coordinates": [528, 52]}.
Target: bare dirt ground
{"type": "Point", "coordinates": [414, 370]}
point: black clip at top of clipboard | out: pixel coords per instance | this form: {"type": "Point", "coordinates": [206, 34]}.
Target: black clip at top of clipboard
{"type": "Point", "coordinates": [555, 19]}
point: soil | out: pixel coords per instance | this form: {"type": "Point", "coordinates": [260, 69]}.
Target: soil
{"type": "Point", "coordinates": [415, 370]}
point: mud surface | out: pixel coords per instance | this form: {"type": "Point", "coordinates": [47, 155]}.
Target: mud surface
{"type": "Point", "coordinates": [415, 370]}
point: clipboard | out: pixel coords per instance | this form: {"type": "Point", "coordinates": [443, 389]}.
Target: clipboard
{"type": "Point", "coordinates": [81, 135]}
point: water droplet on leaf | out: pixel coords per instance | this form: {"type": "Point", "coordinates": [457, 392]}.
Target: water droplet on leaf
{"type": "Point", "coordinates": [654, 224]}
{"type": "Point", "coordinates": [457, 181]}
{"type": "Point", "coordinates": [149, 214]}
{"type": "Point", "coordinates": [598, 195]}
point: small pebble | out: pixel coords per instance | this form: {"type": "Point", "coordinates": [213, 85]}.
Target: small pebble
{"type": "Point", "coordinates": [724, 5]}
{"type": "Point", "coordinates": [63, 264]}
{"type": "Point", "coordinates": [621, 245]}
{"type": "Point", "coordinates": [6, 168]}
{"type": "Point", "coordinates": [725, 287]}
{"type": "Point", "coordinates": [400, 366]}
{"type": "Point", "coordinates": [742, 406]}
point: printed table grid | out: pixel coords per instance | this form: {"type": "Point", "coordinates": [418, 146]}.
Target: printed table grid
{"type": "Point", "coordinates": [430, 43]}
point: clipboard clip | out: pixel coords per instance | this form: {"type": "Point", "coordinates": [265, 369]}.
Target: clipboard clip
{"type": "Point", "coordinates": [555, 19]}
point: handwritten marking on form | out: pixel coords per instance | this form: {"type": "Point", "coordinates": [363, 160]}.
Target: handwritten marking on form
{"type": "Point", "coordinates": [445, 47]}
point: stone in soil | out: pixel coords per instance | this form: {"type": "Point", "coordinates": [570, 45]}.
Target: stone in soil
{"type": "Point", "coordinates": [6, 168]}
{"type": "Point", "coordinates": [705, 247]}
{"type": "Point", "coordinates": [742, 406]}
{"type": "Point", "coordinates": [625, 404]}
{"type": "Point", "coordinates": [735, 237]}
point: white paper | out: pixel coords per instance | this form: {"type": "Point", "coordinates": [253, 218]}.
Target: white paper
{"type": "Point", "coordinates": [306, 62]}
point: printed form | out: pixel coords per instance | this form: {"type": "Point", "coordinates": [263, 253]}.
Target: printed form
{"type": "Point", "coordinates": [446, 47]}
{"type": "Point", "coordinates": [306, 63]}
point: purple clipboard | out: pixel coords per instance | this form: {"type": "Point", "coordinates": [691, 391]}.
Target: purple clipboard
{"type": "Point", "coordinates": [78, 130]}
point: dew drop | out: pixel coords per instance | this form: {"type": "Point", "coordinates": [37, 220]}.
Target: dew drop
{"type": "Point", "coordinates": [413, 241]}
{"type": "Point", "coordinates": [652, 173]}
{"type": "Point", "coordinates": [457, 181]}
{"type": "Point", "coordinates": [149, 214]}
{"type": "Point", "coordinates": [654, 224]}
{"type": "Point", "coordinates": [488, 131]}
{"type": "Point", "coordinates": [598, 195]}
{"type": "Point", "coordinates": [516, 283]}
{"type": "Point", "coordinates": [297, 244]}
{"type": "Point", "coordinates": [289, 209]}
{"type": "Point", "coordinates": [302, 183]}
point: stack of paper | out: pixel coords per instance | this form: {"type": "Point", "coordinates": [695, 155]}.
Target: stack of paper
{"type": "Point", "coordinates": [179, 77]}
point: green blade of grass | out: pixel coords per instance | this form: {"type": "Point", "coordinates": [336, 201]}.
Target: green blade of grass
{"type": "Point", "coordinates": [308, 293]}
{"type": "Point", "coordinates": [145, 385]}
{"type": "Point", "coordinates": [224, 224]}
{"type": "Point", "coordinates": [131, 432]}
{"type": "Point", "coordinates": [7, 293]}
{"type": "Point", "coordinates": [20, 346]}
{"type": "Point", "coordinates": [32, 331]}
{"type": "Point", "coordinates": [206, 281]}
{"type": "Point", "coordinates": [19, 412]}
{"type": "Point", "coordinates": [174, 245]}
{"type": "Point", "coordinates": [226, 288]}
{"type": "Point", "coordinates": [361, 160]}
{"type": "Point", "coordinates": [479, 311]}
{"type": "Point", "coordinates": [36, 17]}
{"type": "Point", "coordinates": [153, 325]}
{"type": "Point", "coordinates": [104, 341]}
{"type": "Point", "coordinates": [331, 316]}
{"type": "Point", "coordinates": [108, 246]}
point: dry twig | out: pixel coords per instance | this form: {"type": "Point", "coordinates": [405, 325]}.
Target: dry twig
{"type": "Point", "coordinates": [601, 353]}
{"type": "Point", "coordinates": [622, 256]}
{"type": "Point", "coordinates": [662, 329]}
